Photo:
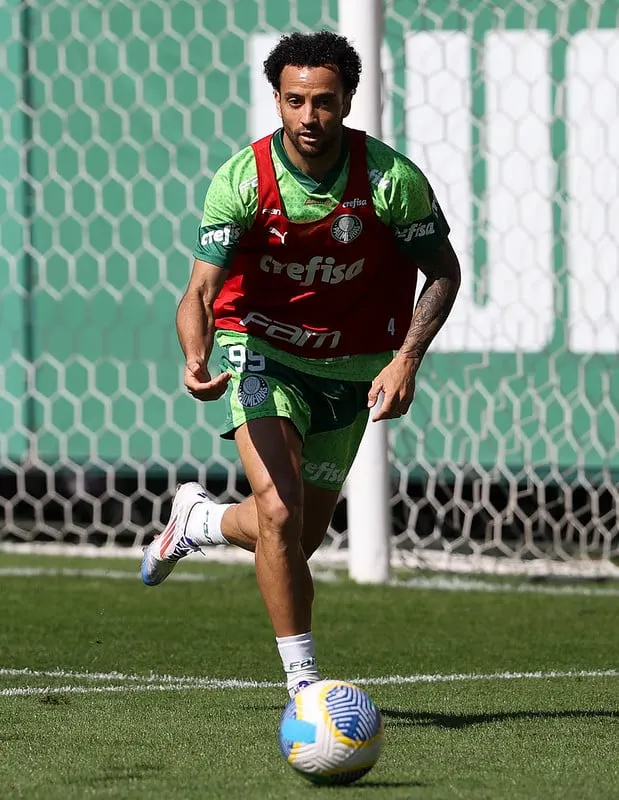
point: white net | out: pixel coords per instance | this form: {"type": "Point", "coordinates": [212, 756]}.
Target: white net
{"type": "Point", "coordinates": [114, 117]}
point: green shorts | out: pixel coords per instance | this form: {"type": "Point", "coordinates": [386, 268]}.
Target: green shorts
{"type": "Point", "coordinates": [330, 415]}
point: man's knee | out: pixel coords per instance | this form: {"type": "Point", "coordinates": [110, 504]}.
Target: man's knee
{"type": "Point", "coordinates": [280, 510]}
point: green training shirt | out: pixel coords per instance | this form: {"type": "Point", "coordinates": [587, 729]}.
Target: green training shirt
{"type": "Point", "coordinates": [403, 200]}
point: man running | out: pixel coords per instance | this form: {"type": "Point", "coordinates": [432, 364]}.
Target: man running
{"type": "Point", "coordinates": [305, 273]}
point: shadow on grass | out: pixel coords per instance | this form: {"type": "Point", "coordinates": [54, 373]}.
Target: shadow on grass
{"type": "Point", "coordinates": [384, 785]}
{"type": "Point", "coordinates": [396, 717]}
{"type": "Point", "coordinates": [370, 784]}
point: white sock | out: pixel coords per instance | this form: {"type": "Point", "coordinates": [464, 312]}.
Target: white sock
{"type": "Point", "coordinates": [204, 523]}
{"type": "Point", "coordinates": [297, 654]}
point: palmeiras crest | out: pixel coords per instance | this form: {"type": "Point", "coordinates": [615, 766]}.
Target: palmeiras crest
{"type": "Point", "coordinates": [346, 228]}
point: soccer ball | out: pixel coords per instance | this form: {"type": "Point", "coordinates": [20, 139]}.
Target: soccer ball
{"type": "Point", "coordinates": [331, 732]}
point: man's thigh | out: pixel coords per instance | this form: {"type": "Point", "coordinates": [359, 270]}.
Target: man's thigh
{"type": "Point", "coordinates": [328, 456]}
{"type": "Point", "coordinates": [325, 463]}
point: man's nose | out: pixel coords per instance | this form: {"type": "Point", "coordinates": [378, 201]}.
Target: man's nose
{"type": "Point", "coordinates": [308, 115]}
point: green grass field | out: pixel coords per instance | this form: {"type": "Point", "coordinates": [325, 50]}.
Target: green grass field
{"type": "Point", "coordinates": [109, 689]}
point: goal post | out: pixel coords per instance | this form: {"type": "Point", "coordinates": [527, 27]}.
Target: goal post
{"type": "Point", "coordinates": [115, 116]}
{"type": "Point", "coordinates": [367, 486]}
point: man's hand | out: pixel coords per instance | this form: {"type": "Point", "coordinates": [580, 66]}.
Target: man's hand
{"type": "Point", "coordinates": [397, 384]}
{"type": "Point", "coordinates": [200, 384]}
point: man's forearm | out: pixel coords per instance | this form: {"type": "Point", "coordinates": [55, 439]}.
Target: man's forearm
{"type": "Point", "coordinates": [432, 309]}
{"type": "Point", "coordinates": [434, 304]}
{"type": "Point", "coordinates": [195, 327]}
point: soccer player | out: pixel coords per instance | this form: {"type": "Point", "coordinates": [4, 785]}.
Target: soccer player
{"type": "Point", "coordinates": [305, 273]}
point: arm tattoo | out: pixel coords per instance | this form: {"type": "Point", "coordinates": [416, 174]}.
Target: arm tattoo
{"type": "Point", "coordinates": [433, 307]}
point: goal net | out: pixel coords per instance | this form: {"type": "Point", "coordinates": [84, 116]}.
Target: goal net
{"type": "Point", "coordinates": [115, 116]}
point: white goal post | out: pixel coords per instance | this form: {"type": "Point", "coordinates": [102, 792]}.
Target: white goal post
{"type": "Point", "coordinates": [114, 118]}
{"type": "Point", "coordinates": [367, 486]}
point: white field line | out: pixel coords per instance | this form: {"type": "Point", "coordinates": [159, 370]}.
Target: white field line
{"type": "Point", "coordinates": [121, 677]}
{"type": "Point", "coordinates": [28, 691]}
{"type": "Point", "coordinates": [457, 584]}
{"type": "Point", "coordinates": [433, 583]}
{"type": "Point", "coordinates": [139, 687]}
{"type": "Point", "coordinates": [164, 683]}
{"type": "Point", "coordinates": [109, 574]}
{"type": "Point", "coordinates": [330, 557]}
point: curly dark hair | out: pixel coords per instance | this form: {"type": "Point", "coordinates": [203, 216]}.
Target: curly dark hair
{"type": "Point", "coordinates": [314, 50]}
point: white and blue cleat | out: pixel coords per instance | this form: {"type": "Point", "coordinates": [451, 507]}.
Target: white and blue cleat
{"type": "Point", "coordinates": [163, 553]}
{"type": "Point", "coordinates": [297, 688]}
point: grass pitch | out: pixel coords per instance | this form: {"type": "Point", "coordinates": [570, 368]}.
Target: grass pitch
{"type": "Point", "coordinates": [109, 689]}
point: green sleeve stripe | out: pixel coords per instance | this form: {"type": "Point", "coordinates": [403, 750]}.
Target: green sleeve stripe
{"type": "Point", "coordinates": [218, 259]}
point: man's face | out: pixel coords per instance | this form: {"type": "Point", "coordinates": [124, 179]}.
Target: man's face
{"type": "Point", "coordinates": [312, 106]}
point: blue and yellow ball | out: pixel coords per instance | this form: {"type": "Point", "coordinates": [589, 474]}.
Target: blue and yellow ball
{"type": "Point", "coordinates": [331, 733]}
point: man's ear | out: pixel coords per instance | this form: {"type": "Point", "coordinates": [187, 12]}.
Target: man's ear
{"type": "Point", "coordinates": [278, 103]}
{"type": "Point", "coordinates": [346, 104]}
